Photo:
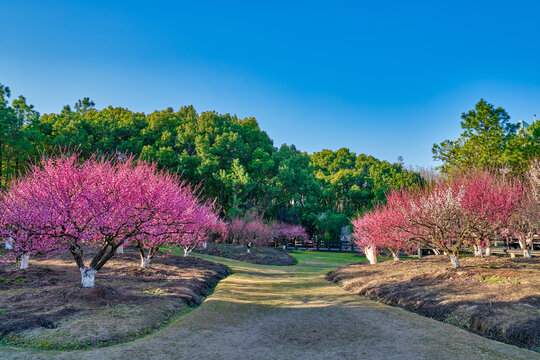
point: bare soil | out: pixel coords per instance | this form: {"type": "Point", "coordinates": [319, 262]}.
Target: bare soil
{"type": "Point", "coordinates": [498, 298]}
{"type": "Point", "coordinates": [45, 307]}
{"type": "Point", "coordinates": [259, 254]}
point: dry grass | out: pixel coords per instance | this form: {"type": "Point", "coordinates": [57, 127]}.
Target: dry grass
{"type": "Point", "coordinates": [495, 297]}
{"type": "Point", "coordinates": [44, 306]}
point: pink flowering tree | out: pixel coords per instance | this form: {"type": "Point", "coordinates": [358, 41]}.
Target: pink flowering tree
{"type": "Point", "coordinates": [380, 229]}
{"type": "Point", "coordinates": [525, 222]}
{"type": "Point", "coordinates": [168, 212]}
{"type": "Point", "coordinates": [284, 233]}
{"type": "Point", "coordinates": [489, 202]}
{"type": "Point", "coordinates": [250, 232]}
{"type": "Point", "coordinates": [63, 205]}
{"type": "Point", "coordinates": [434, 218]}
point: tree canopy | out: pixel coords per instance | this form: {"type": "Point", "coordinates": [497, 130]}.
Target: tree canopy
{"type": "Point", "coordinates": [489, 141]}
{"type": "Point", "coordinates": [232, 159]}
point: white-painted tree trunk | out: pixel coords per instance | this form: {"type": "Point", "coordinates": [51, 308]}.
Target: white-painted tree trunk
{"type": "Point", "coordinates": [24, 261]}
{"type": "Point", "coordinates": [419, 253]}
{"type": "Point", "coordinates": [120, 249]}
{"type": "Point", "coordinates": [205, 245]}
{"type": "Point", "coordinates": [370, 255]}
{"type": "Point", "coordinates": [523, 246]}
{"type": "Point", "coordinates": [488, 251]}
{"type": "Point", "coordinates": [512, 255]}
{"type": "Point", "coordinates": [477, 251]}
{"type": "Point", "coordinates": [186, 252]}
{"type": "Point", "coordinates": [88, 275]}
{"type": "Point", "coordinates": [395, 255]}
{"type": "Point", "coordinates": [249, 251]}
{"type": "Point", "coordinates": [9, 244]}
{"type": "Point", "coordinates": [454, 259]}
{"type": "Point", "coordinates": [436, 251]}
{"type": "Point", "coordinates": [284, 247]}
{"type": "Point", "coordinates": [145, 262]}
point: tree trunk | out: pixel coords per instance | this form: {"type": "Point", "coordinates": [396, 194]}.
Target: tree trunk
{"type": "Point", "coordinates": [9, 243]}
{"type": "Point", "coordinates": [488, 251]}
{"type": "Point", "coordinates": [248, 250]}
{"type": "Point", "coordinates": [477, 251]}
{"type": "Point", "coordinates": [205, 245]}
{"type": "Point", "coordinates": [186, 252]}
{"type": "Point", "coordinates": [395, 255]}
{"type": "Point", "coordinates": [526, 253]}
{"type": "Point", "coordinates": [436, 251]}
{"type": "Point", "coordinates": [419, 253]}
{"type": "Point", "coordinates": [87, 274]}
{"type": "Point", "coordinates": [454, 259]}
{"type": "Point", "coordinates": [24, 261]}
{"type": "Point", "coordinates": [120, 249]}
{"type": "Point", "coordinates": [371, 255]}
{"type": "Point", "coordinates": [145, 262]}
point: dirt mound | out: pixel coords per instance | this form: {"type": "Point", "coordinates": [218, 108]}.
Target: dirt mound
{"type": "Point", "coordinates": [45, 307]}
{"type": "Point", "coordinates": [258, 255]}
{"type": "Point", "coordinates": [494, 297]}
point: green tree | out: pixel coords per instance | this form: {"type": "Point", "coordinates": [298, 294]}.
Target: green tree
{"type": "Point", "coordinates": [484, 144]}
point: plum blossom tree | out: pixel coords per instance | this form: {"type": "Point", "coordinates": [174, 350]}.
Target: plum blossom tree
{"type": "Point", "coordinates": [380, 229]}
{"type": "Point", "coordinates": [284, 232]}
{"type": "Point", "coordinates": [489, 202]}
{"type": "Point", "coordinates": [250, 232]}
{"type": "Point", "coordinates": [525, 222]}
{"type": "Point", "coordinates": [63, 204]}
{"type": "Point", "coordinates": [434, 217]}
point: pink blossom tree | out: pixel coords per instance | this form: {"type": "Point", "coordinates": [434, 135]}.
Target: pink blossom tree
{"type": "Point", "coordinates": [489, 202]}
{"type": "Point", "coordinates": [250, 232]}
{"type": "Point", "coordinates": [379, 230]}
{"type": "Point", "coordinates": [434, 217]}
{"type": "Point", "coordinates": [63, 204]}
{"type": "Point", "coordinates": [284, 232]}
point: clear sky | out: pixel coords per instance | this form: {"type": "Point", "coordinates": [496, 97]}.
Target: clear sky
{"type": "Point", "coordinates": [379, 77]}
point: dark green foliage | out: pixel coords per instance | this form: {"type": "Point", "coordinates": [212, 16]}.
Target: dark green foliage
{"type": "Point", "coordinates": [489, 141]}
{"type": "Point", "coordinates": [232, 159]}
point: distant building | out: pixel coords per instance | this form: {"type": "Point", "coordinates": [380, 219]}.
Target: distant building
{"type": "Point", "coordinates": [522, 124]}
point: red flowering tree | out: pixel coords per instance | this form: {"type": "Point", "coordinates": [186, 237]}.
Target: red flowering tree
{"type": "Point", "coordinates": [434, 218]}
{"type": "Point", "coordinates": [63, 204]}
{"type": "Point", "coordinates": [380, 229]}
{"type": "Point", "coordinates": [489, 202]}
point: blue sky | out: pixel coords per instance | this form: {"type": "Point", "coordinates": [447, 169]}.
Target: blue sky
{"type": "Point", "coordinates": [382, 78]}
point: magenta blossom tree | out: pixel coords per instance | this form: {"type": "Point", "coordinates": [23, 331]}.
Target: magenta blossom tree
{"type": "Point", "coordinates": [380, 229]}
{"type": "Point", "coordinates": [489, 202]}
{"type": "Point", "coordinates": [250, 232]}
{"type": "Point", "coordinates": [63, 204]}
{"type": "Point", "coordinates": [283, 232]}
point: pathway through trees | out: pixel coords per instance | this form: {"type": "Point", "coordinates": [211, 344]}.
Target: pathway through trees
{"type": "Point", "coordinates": [271, 312]}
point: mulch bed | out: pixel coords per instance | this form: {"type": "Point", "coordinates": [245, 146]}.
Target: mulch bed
{"type": "Point", "coordinates": [495, 297]}
{"type": "Point", "coordinates": [259, 255]}
{"type": "Point", "coordinates": [45, 307]}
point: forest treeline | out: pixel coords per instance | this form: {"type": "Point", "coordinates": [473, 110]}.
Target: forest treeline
{"type": "Point", "coordinates": [232, 159]}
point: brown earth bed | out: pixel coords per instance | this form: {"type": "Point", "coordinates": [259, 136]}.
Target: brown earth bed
{"type": "Point", "coordinates": [44, 306]}
{"type": "Point", "coordinates": [498, 298]}
{"type": "Point", "coordinates": [259, 254]}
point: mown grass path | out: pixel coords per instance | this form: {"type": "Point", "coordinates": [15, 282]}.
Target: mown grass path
{"type": "Point", "coordinates": [270, 312]}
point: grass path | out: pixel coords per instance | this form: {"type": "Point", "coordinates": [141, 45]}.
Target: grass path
{"type": "Point", "coordinates": [270, 312]}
